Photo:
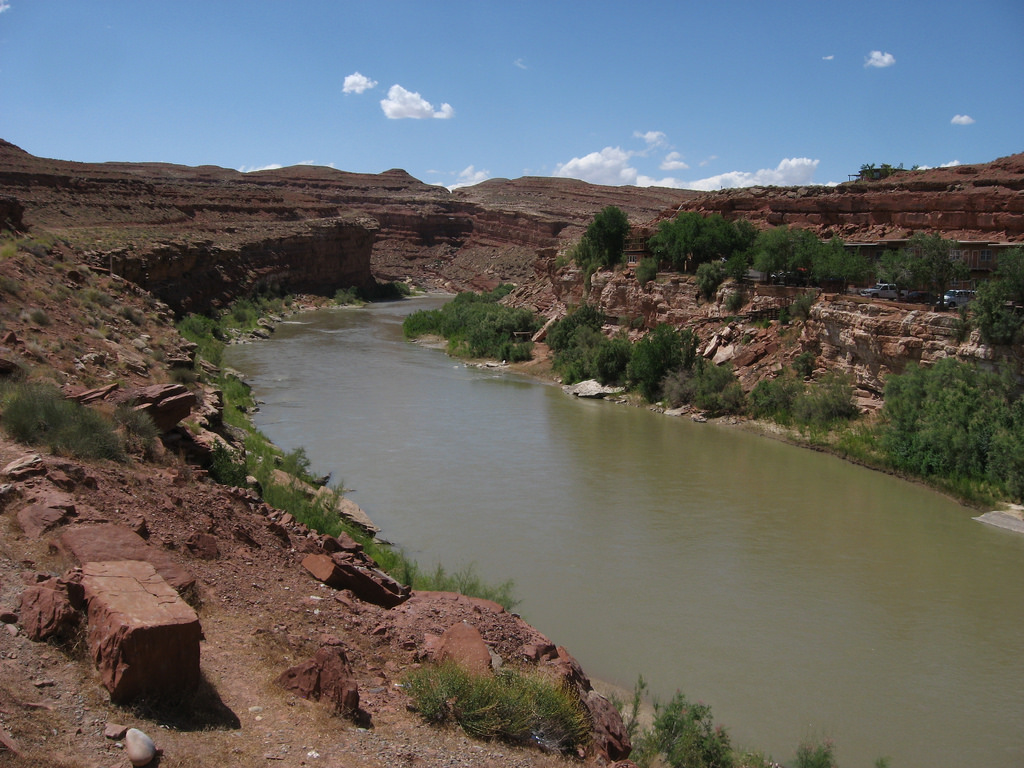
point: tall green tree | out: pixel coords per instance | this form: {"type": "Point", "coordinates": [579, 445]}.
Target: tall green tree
{"type": "Point", "coordinates": [998, 307]}
{"type": "Point", "coordinates": [604, 243]}
{"type": "Point", "coordinates": [690, 239]}
{"type": "Point", "coordinates": [933, 260]}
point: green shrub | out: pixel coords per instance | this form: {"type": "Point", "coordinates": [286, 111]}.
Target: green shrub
{"type": "Point", "coordinates": [227, 468]}
{"type": "Point", "coordinates": [38, 316]}
{"type": "Point", "coordinates": [346, 296]}
{"type": "Point", "coordinates": [478, 326]}
{"type": "Point", "coordinates": [801, 306]}
{"type": "Point", "coordinates": [38, 414]}
{"type": "Point", "coordinates": [509, 705]}
{"type": "Point", "coordinates": [774, 398]}
{"type": "Point", "coordinates": [952, 421]}
{"type": "Point", "coordinates": [646, 270]}
{"type": "Point", "coordinates": [662, 350]}
{"type": "Point", "coordinates": [825, 403]}
{"type": "Point", "coordinates": [820, 755]}
{"type": "Point", "coordinates": [140, 433]}
{"type": "Point", "coordinates": [735, 301]}
{"type": "Point", "coordinates": [709, 276]}
{"type": "Point", "coordinates": [803, 364]}
{"type": "Point", "coordinates": [709, 387]}
{"type": "Point", "coordinates": [684, 736]}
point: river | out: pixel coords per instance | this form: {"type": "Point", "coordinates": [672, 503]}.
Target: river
{"type": "Point", "coordinates": [800, 596]}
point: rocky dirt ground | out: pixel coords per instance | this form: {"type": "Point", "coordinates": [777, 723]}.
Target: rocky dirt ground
{"type": "Point", "coordinates": [261, 612]}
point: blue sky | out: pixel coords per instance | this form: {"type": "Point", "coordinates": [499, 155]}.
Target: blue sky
{"type": "Point", "coordinates": [700, 95]}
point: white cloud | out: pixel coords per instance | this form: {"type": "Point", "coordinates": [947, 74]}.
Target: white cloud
{"type": "Point", "coordinates": [648, 181]}
{"type": "Point", "coordinates": [651, 138]}
{"type": "Point", "coordinates": [401, 103]}
{"type": "Point", "coordinates": [790, 172]}
{"type": "Point", "coordinates": [828, 58]}
{"type": "Point", "coordinates": [4, 6]}
{"type": "Point", "coordinates": [609, 166]}
{"type": "Point", "coordinates": [519, 63]}
{"type": "Point", "coordinates": [707, 161]}
{"type": "Point", "coordinates": [357, 83]}
{"type": "Point", "coordinates": [962, 120]}
{"type": "Point", "coordinates": [879, 59]}
{"type": "Point", "coordinates": [470, 176]}
{"type": "Point", "coordinates": [673, 162]}
{"type": "Point", "coordinates": [251, 168]}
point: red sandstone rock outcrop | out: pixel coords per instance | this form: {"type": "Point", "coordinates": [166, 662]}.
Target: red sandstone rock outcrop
{"type": "Point", "coordinates": [964, 202]}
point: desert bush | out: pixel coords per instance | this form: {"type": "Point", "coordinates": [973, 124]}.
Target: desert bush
{"type": "Point", "coordinates": [816, 755]}
{"type": "Point", "coordinates": [140, 433]}
{"type": "Point", "coordinates": [10, 285]}
{"type": "Point", "coordinates": [226, 467]}
{"type": "Point", "coordinates": [646, 270]}
{"type": "Point", "coordinates": [801, 306]}
{"type": "Point", "coordinates": [735, 301]}
{"type": "Point", "coordinates": [803, 364]}
{"type": "Point", "coordinates": [38, 316]}
{"type": "Point", "coordinates": [952, 421]}
{"type": "Point", "coordinates": [684, 735]}
{"type": "Point", "coordinates": [774, 398]}
{"type": "Point", "coordinates": [825, 403]}
{"type": "Point", "coordinates": [662, 350]}
{"type": "Point", "coordinates": [39, 415]}
{"type": "Point", "coordinates": [132, 315]}
{"type": "Point", "coordinates": [709, 276]}
{"type": "Point", "coordinates": [709, 387]}
{"type": "Point", "coordinates": [509, 705]}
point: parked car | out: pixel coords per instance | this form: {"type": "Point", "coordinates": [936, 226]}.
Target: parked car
{"type": "Point", "coordinates": [957, 298]}
{"type": "Point", "coordinates": [919, 297]}
{"type": "Point", "coordinates": [881, 291]}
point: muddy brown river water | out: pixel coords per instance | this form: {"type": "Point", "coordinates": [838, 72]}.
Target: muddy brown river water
{"type": "Point", "coordinates": [800, 596]}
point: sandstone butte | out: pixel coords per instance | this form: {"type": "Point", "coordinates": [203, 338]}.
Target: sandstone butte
{"type": "Point", "coordinates": [298, 665]}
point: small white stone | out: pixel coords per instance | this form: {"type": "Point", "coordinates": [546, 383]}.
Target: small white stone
{"type": "Point", "coordinates": [139, 748]}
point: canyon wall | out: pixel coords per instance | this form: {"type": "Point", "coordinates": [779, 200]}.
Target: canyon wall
{"type": "Point", "coordinates": [967, 202]}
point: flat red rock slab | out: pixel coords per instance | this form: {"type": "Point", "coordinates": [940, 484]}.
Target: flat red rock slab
{"type": "Point", "coordinates": [109, 542]}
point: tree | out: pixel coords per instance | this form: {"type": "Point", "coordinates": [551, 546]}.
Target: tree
{"type": "Point", "coordinates": [834, 261]}
{"type": "Point", "coordinates": [774, 249]}
{"type": "Point", "coordinates": [997, 308]}
{"type": "Point", "coordinates": [662, 350]}
{"type": "Point", "coordinates": [604, 241]}
{"type": "Point", "coordinates": [932, 258]}
{"type": "Point", "coordinates": [691, 239]}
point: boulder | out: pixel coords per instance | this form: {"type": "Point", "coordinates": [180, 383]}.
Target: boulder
{"type": "Point", "coordinates": [50, 609]}
{"type": "Point", "coordinates": [143, 638]}
{"type": "Point", "coordinates": [328, 675]}
{"type": "Point", "coordinates": [138, 747]}
{"type": "Point", "coordinates": [167, 404]}
{"type": "Point", "coordinates": [26, 466]}
{"type": "Point", "coordinates": [37, 519]}
{"type": "Point", "coordinates": [593, 389]}
{"type": "Point", "coordinates": [366, 582]}
{"type": "Point", "coordinates": [109, 542]}
{"type": "Point", "coordinates": [463, 645]}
